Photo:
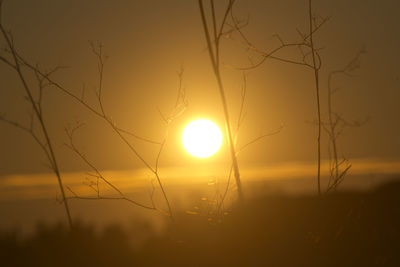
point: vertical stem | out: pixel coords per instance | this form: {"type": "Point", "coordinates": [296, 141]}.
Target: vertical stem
{"type": "Point", "coordinates": [50, 146]}
{"type": "Point", "coordinates": [153, 170]}
{"type": "Point", "coordinates": [42, 124]}
{"type": "Point", "coordinates": [216, 68]}
{"type": "Point", "coordinates": [332, 127]}
{"type": "Point", "coordinates": [48, 141]}
{"type": "Point", "coordinates": [230, 136]}
{"type": "Point", "coordinates": [316, 76]}
{"type": "Point", "coordinates": [57, 172]}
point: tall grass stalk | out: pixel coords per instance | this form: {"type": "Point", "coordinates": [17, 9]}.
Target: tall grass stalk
{"type": "Point", "coordinates": [213, 48]}
{"type": "Point", "coordinates": [316, 79]}
{"type": "Point", "coordinates": [37, 112]}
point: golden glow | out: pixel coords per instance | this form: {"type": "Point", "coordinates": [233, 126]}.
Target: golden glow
{"type": "Point", "coordinates": [202, 138]}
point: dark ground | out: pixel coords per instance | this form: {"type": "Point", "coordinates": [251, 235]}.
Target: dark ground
{"type": "Point", "coordinates": [340, 229]}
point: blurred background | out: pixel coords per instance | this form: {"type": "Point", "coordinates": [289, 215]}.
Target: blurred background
{"type": "Point", "coordinates": [147, 43]}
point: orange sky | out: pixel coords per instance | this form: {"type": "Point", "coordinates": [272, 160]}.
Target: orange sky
{"type": "Point", "coordinates": [147, 43]}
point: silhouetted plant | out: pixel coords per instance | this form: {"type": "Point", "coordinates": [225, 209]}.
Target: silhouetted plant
{"type": "Point", "coordinates": [45, 79]}
{"type": "Point", "coordinates": [316, 65]}
{"type": "Point", "coordinates": [306, 48]}
{"type": "Point", "coordinates": [213, 206]}
{"type": "Point", "coordinates": [336, 124]}
{"type": "Point", "coordinates": [213, 35]}
{"type": "Point", "coordinates": [177, 110]}
{"type": "Point", "coordinates": [99, 177]}
{"type": "Point", "coordinates": [40, 132]}
{"type": "Point", "coordinates": [213, 47]}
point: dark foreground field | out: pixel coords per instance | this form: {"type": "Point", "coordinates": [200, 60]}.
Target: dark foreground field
{"type": "Point", "coordinates": [341, 229]}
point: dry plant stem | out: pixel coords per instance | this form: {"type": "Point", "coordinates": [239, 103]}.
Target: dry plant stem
{"type": "Point", "coordinates": [97, 174]}
{"type": "Point", "coordinates": [305, 42]}
{"type": "Point", "coordinates": [99, 54]}
{"type": "Point", "coordinates": [82, 102]}
{"type": "Point", "coordinates": [316, 78]}
{"type": "Point", "coordinates": [103, 115]}
{"type": "Point", "coordinates": [336, 123]}
{"type": "Point", "coordinates": [180, 106]}
{"type": "Point", "coordinates": [238, 126]}
{"type": "Point", "coordinates": [216, 68]}
{"type": "Point", "coordinates": [332, 126]}
{"type": "Point", "coordinates": [237, 153]}
{"type": "Point", "coordinates": [39, 116]}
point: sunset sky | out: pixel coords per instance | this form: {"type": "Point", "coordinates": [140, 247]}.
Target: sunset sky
{"type": "Point", "coordinates": [148, 42]}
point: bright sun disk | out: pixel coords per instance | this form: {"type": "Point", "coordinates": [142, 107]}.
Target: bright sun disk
{"type": "Point", "coordinates": [202, 138]}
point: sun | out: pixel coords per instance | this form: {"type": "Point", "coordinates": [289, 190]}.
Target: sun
{"type": "Point", "coordinates": [202, 138]}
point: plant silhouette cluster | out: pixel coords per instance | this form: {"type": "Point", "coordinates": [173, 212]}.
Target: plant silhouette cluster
{"type": "Point", "coordinates": [216, 29]}
{"type": "Point", "coordinates": [37, 127]}
{"type": "Point", "coordinates": [14, 60]}
{"type": "Point", "coordinates": [309, 57]}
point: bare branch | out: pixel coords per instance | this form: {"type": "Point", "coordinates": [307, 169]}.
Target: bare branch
{"type": "Point", "coordinates": [48, 149]}
{"type": "Point", "coordinates": [70, 133]}
{"type": "Point", "coordinates": [137, 136]}
{"type": "Point", "coordinates": [214, 58]}
{"type": "Point", "coordinates": [260, 137]}
{"type": "Point", "coordinates": [29, 130]}
{"type": "Point", "coordinates": [337, 123]}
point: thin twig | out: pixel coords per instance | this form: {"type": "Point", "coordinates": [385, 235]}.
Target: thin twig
{"type": "Point", "coordinates": [38, 114]}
